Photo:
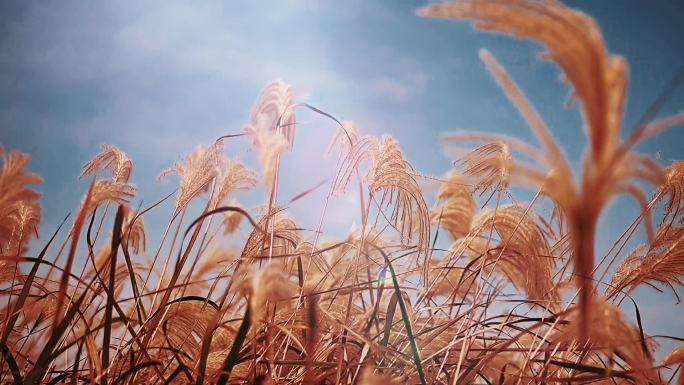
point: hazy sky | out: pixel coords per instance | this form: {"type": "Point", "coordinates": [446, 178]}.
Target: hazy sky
{"type": "Point", "coordinates": [157, 78]}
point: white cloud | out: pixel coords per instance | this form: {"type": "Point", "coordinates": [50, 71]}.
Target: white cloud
{"type": "Point", "coordinates": [401, 89]}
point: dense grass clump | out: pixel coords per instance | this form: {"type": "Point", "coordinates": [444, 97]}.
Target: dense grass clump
{"type": "Point", "coordinates": [382, 304]}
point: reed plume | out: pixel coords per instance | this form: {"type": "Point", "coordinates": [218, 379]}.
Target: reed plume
{"type": "Point", "coordinates": [197, 171]}
{"type": "Point", "coordinates": [20, 211]}
{"type": "Point", "coordinates": [662, 260]}
{"type": "Point", "coordinates": [457, 210]}
{"type": "Point", "coordinates": [523, 253]}
{"type": "Point", "coordinates": [111, 159]}
{"type": "Point", "coordinates": [599, 81]}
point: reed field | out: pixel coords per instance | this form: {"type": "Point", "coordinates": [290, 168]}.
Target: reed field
{"type": "Point", "coordinates": [519, 297]}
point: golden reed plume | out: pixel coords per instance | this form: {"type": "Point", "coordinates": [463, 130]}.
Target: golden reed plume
{"type": "Point", "coordinates": [599, 81]}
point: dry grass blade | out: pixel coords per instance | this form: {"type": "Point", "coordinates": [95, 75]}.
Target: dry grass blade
{"type": "Point", "coordinates": [12, 364]}
{"type": "Point", "coordinates": [40, 368]}
{"type": "Point", "coordinates": [116, 241]}
{"type": "Point", "coordinates": [233, 355]}
{"type": "Point", "coordinates": [311, 337]}
{"type": "Point", "coordinates": [389, 318]}
{"type": "Point", "coordinates": [75, 235]}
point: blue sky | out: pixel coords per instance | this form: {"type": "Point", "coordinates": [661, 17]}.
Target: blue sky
{"type": "Point", "coordinates": [157, 78]}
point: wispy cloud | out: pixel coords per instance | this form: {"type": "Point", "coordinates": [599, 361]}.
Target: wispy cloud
{"type": "Point", "coordinates": [401, 89]}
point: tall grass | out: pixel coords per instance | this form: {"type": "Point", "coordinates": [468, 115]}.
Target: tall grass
{"type": "Point", "coordinates": [382, 304]}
